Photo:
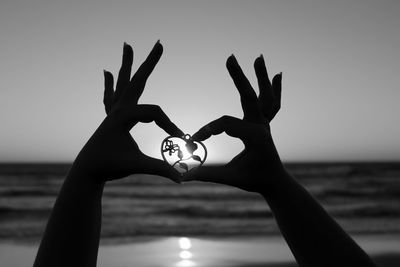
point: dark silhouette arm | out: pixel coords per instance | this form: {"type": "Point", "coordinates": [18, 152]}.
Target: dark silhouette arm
{"type": "Point", "coordinates": [311, 233]}
{"type": "Point", "coordinates": [314, 238]}
{"type": "Point", "coordinates": [72, 234]}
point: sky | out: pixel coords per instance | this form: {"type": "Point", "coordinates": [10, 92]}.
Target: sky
{"type": "Point", "coordinates": [340, 62]}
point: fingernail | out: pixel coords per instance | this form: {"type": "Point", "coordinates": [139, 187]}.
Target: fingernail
{"type": "Point", "coordinates": [158, 43]}
{"type": "Point", "coordinates": [262, 56]}
{"type": "Point", "coordinates": [104, 71]}
{"type": "Point", "coordinates": [125, 44]}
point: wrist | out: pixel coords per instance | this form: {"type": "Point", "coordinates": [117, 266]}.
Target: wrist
{"type": "Point", "coordinates": [84, 175]}
{"type": "Point", "coordinates": [277, 181]}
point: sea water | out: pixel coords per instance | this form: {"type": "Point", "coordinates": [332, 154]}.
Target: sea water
{"type": "Point", "coordinates": [364, 198]}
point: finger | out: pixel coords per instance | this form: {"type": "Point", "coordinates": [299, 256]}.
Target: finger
{"type": "Point", "coordinates": [267, 96]}
{"type": "Point", "coordinates": [277, 88]}
{"type": "Point", "coordinates": [214, 174]}
{"type": "Point", "coordinates": [138, 81]}
{"type": "Point", "coordinates": [231, 126]}
{"type": "Point", "coordinates": [150, 113]}
{"type": "Point", "coordinates": [271, 107]}
{"type": "Point", "coordinates": [248, 97]}
{"type": "Point", "coordinates": [124, 74]}
{"type": "Point", "coordinates": [108, 98]}
{"type": "Point", "coordinates": [155, 166]}
{"type": "Point", "coordinates": [264, 84]}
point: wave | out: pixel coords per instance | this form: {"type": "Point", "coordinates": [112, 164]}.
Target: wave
{"type": "Point", "coordinates": [198, 212]}
{"type": "Point", "coordinates": [11, 213]}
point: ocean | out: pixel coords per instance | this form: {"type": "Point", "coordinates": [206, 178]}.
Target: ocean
{"type": "Point", "coordinates": [363, 197]}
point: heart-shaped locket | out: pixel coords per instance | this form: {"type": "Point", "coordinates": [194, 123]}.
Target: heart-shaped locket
{"type": "Point", "coordinates": [183, 153]}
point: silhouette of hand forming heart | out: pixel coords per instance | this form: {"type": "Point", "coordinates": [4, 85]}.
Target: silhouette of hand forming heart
{"type": "Point", "coordinates": [112, 153]}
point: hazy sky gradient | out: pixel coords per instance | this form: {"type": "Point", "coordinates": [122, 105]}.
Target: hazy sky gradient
{"type": "Point", "coordinates": [340, 62]}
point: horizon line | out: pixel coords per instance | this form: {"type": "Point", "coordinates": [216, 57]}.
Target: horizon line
{"type": "Point", "coordinates": [219, 163]}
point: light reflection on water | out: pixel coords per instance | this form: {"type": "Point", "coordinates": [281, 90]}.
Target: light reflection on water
{"type": "Point", "coordinates": [185, 243]}
{"type": "Point", "coordinates": [185, 263]}
{"type": "Point", "coordinates": [185, 254]}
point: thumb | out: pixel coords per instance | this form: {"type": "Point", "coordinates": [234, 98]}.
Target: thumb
{"type": "Point", "coordinates": [158, 167]}
{"type": "Point", "coordinates": [215, 174]}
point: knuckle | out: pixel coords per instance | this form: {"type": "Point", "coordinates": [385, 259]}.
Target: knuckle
{"type": "Point", "coordinates": [268, 103]}
{"type": "Point", "coordinates": [270, 100]}
{"type": "Point", "coordinates": [118, 111]}
{"type": "Point", "coordinates": [107, 100]}
{"type": "Point", "coordinates": [225, 118]}
{"type": "Point", "coordinates": [122, 109]}
{"type": "Point", "coordinates": [157, 110]}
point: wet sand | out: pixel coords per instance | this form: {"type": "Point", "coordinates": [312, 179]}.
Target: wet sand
{"type": "Point", "coordinates": [197, 252]}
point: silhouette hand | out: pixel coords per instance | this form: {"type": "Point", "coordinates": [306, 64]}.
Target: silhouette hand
{"type": "Point", "coordinates": [257, 165]}
{"type": "Point", "coordinates": [111, 152]}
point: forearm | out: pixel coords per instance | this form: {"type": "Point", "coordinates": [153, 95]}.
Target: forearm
{"type": "Point", "coordinates": [311, 233]}
{"type": "Point", "coordinates": [72, 234]}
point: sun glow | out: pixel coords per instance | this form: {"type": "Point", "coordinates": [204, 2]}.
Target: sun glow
{"type": "Point", "coordinates": [186, 154]}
